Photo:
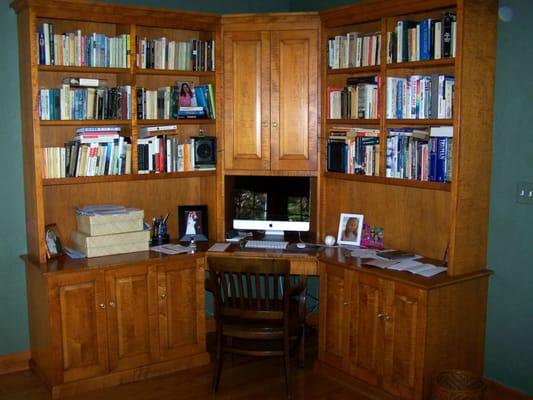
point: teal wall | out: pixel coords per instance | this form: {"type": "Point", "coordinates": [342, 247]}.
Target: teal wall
{"type": "Point", "coordinates": [509, 353]}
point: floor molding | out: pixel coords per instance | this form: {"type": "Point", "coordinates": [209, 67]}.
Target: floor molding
{"type": "Point", "coordinates": [14, 362]}
{"type": "Point", "coordinates": [497, 391]}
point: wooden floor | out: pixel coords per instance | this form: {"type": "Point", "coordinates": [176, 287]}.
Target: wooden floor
{"type": "Point", "coordinates": [242, 378]}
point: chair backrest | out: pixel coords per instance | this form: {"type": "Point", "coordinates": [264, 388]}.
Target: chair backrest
{"type": "Point", "coordinates": [249, 287]}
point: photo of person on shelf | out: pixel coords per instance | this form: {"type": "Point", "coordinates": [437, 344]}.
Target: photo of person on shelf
{"type": "Point", "coordinates": [350, 230]}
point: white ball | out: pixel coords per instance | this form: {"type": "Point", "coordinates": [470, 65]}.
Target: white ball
{"type": "Point", "coordinates": [329, 240]}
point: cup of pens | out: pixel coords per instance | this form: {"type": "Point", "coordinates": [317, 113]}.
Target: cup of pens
{"type": "Point", "coordinates": [159, 231]}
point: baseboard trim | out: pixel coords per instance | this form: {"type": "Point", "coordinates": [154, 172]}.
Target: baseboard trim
{"type": "Point", "coordinates": [15, 362]}
{"type": "Point", "coordinates": [497, 391]}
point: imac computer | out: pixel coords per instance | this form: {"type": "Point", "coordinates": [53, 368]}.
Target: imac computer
{"type": "Point", "coordinates": [274, 205]}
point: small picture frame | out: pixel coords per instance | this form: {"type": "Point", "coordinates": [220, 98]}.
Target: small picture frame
{"type": "Point", "coordinates": [192, 222]}
{"type": "Point", "coordinates": [350, 229]}
{"type": "Point", "coordinates": [52, 241]}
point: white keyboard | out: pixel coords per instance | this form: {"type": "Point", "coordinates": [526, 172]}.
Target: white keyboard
{"type": "Point", "coordinates": [265, 244]}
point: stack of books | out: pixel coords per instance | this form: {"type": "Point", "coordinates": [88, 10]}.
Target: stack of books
{"type": "Point", "coordinates": [109, 229]}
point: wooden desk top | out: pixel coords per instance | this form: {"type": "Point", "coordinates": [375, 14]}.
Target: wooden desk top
{"type": "Point", "coordinates": [303, 262]}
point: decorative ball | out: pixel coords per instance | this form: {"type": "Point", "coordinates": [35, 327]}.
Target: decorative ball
{"type": "Point", "coordinates": [329, 240]}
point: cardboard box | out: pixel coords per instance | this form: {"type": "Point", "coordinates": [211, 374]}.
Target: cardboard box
{"type": "Point", "coordinates": [96, 225]}
{"type": "Point", "coordinates": [105, 245]}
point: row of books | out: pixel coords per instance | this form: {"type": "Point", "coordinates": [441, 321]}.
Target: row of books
{"type": "Point", "coordinates": [164, 153]}
{"type": "Point", "coordinates": [77, 49]}
{"type": "Point", "coordinates": [355, 49]}
{"type": "Point", "coordinates": [182, 100]}
{"type": "Point", "coordinates": [361, 147]}
{"type": "Point", "coordinates": [85, 103]}
{"type": "Point", "coordinates": [190, 55]}
{"type": "Point", "coordinates": [92, 152]}
{"type": "Point", "coordinates": [420, 97]}
{"type": "Point", "coordinates": [429, 39]}
{"type": "Point", "coordinates": [352, 102]}
{"type": "Point", "coordinates": [419, 154]}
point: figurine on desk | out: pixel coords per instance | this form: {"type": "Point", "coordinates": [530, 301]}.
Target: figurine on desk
{"type": "Point", "coordinates": [159, 231]}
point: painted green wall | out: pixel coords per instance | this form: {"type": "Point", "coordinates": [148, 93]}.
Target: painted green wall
{"type": "Point", "coordinates": [509, 353]}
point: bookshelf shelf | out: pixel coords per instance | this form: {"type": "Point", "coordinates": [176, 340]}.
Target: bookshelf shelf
{"type": "Point", "coordinates": [374, 69]}
{"type": "Point", "coordinates": [73, 69]}
{"type": "Point", "coordinates": [125, 178]}
{"type": "Point", "coordinates": [418, 122]}
{"type": "Point", "coordinates": [443, 62]}
{"type": "Point", "coordinates": [189, 121]}
{"type": "Point", "coordinates": [87, 122]}
{"type": "Point", "coordinates": [354, 122]}
{"type": "Point", "coordinates": [174, 72]}
{"type": "Point", "coordinates": [446, 187]}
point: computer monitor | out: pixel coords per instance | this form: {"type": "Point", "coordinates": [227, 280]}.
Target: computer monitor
{"type": "Point", "coordinates": [271, 204]}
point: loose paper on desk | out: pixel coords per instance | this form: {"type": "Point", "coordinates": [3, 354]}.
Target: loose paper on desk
{"type": "Point", "coordinates": [381, 263]}
{"type": "Point", "coordinates": [170, 249]}
{"type": "Point", "coordinates": [219, 247]}
{"type": "Point", "coordinates": [363, 253]}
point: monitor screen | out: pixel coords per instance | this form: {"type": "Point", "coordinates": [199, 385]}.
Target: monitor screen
{"type": "Point", "coordinates": [271, 203]}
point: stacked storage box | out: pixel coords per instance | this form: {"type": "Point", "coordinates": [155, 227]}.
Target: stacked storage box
{"type": "Point", "coordinates": [102, 233]}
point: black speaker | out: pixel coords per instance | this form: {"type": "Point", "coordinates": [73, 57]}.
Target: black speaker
{"type": "Point", "coordinates": [337, 156]}
{"type": "Point", "coordinates": [205, 150]}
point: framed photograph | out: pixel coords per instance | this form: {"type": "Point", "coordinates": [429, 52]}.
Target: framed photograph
{"type": "Point", "coordinates": [192, 222]}
{"type": "Point", "coordinates": [52, 241]}
{"type": "Point", "coordinates": [350, 229]}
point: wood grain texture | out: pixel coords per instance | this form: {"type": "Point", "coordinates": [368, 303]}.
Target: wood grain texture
{"type": "Point", "coordinates": [408, 215]}
{"type": "Point", "coordinates": [14, 362]}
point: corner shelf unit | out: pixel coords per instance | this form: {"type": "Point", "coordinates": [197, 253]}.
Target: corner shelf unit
{"type": "Point", "coordinates": [436, 219]}
{"type": "Point", "coordinates": [54, 200]}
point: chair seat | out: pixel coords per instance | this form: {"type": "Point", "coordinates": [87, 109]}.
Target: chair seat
{"type": "Point", "coordinates": [257, 329]}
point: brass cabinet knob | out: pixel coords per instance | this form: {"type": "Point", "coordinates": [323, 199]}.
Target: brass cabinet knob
{"type": "Point", "coordinates": [112, 304]}
{"type": "Point", "coordinates": [265, 124]}
{"type": "Point", "coordinates": [274, 124]}
{"type": "Point", "coordinates": [102, 305]}
{"type": "Point", "coordinates": [163, 296]}
{"type": "Point", "coordinates": [346, 303]}
{"type": "Point", "coordinates": [387, 317]}
{"type": "Point", "coordinates": [380, 315]}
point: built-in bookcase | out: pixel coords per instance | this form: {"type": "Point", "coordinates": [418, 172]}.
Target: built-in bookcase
{"type": "Point", "coordinates": [425, 212]}
{"type": "Point", "coordinates": [54, 200]}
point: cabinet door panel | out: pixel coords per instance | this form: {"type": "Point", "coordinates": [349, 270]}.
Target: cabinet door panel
{"type": "Point", "coordinates": [366, 330]}
{"type": "Point", "coordinates": [246, 100]}
{"type": "Point", "coordinates": [77, 309]}
{"type": "Point", "coordinates": [181, 308]}
{"type": "Point", "coordinates": [131, 333]}
{"type": "Point", "coordinates": [404, 341]}
{"type": "Point", "coordinates": [294, 93]}
{"type": "Point", "coordinates": [333, 315]}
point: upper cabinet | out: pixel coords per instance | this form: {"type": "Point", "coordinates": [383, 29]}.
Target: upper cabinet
{"type": "Point", "coordinates": [270, 93]}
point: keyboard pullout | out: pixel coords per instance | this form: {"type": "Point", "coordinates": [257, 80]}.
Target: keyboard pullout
{"type": "Point", "coordinates": [265, 244]}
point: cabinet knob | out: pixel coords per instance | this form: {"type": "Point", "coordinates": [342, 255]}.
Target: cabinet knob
{"type": "Point", "coordinates": [265, 124]}
{"type": "Point", "coordinates": [112, 304]}
{"type": "Point", "coordinates": [274, 124]}
{"type": "Point", "coordinates": [387, 317]}
{"type": "Point", "coordinates": [163, 296]}
{"type": "Point", "coordinates": [102, 306]}
{"type": "Point", "coordinates": [346, 303]}
{"type": "Point", "coordinates": [380, 315]}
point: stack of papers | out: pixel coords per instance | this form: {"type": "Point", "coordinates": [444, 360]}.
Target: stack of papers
{"type": "Point", "coordinates": [102, 209]}
{"type": "Point", "coordinates": [171, 249]}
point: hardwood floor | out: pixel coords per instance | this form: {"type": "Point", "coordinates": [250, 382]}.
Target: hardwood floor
{"type": "Point", "coordinates": [242, 378]}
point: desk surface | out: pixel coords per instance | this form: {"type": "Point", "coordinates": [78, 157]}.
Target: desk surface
{"type": "Point", "coordinates": [303, 262]}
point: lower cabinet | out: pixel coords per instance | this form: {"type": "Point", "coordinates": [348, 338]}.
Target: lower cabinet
{"type": "Point", "coordinates": [393, 336]}
{"type": "Point", "coordinates": [123, 320]}
{"type": "Point", "coordinates": [372, 329]}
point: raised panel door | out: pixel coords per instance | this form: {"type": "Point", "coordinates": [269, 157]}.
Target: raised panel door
{"type": "Point", "coordinates": [131, 302]}
{"type": "Point", "coordinates": [294, 94]}
{"type": "Point", "coordinates": [334, 313]}
{"type": "Point", "coordinates": [78, 316]}
{"type": "Point", "coordinates": [181, 308]}
{"type": "Point", "coordinates": [247, 100]}
{"type": "Point", "coordinates": [405, 316]}
{"type": "Point", "coordinates": [366, 328]}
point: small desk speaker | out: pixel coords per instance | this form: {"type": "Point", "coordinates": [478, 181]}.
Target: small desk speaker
{"type": "Point", "coordinates": [205, 150]}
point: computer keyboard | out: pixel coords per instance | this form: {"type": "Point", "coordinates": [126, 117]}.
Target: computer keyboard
{"type": "Point", "coordinates": [265, 244]}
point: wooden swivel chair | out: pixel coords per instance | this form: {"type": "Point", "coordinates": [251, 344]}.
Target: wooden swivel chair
{"type": "Point", "coordinates": [254, 305]}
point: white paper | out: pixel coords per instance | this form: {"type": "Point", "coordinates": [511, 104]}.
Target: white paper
{"type": "Point", "coordinates": [431, 271]}
{"type": "Point", "coordinates": [405, 265]}
{"type": "Point", "coordinates": [363, 253]}
{"type": "Point", "coordinates": [381, 263]}
{"type": "Point", "coordinates": [170, 249]}
{"type": "Point", "coordinates": [219, 247]}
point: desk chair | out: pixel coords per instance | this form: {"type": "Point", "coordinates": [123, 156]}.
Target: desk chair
{"type": "Point", "coordinates": [254, 305]}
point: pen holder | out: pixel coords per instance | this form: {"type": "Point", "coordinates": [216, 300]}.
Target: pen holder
{"type": "Point", "coordinates": [157, 240]}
